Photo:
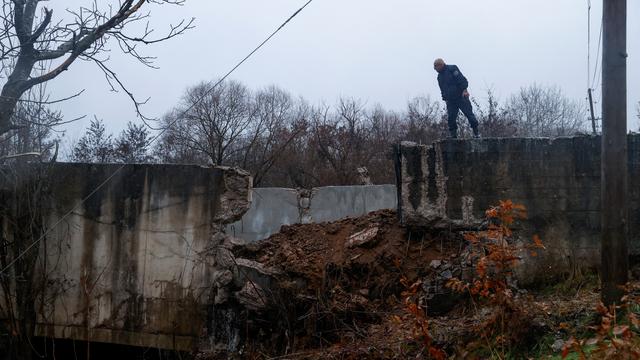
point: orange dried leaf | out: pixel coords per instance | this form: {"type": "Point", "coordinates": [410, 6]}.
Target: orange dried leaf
{"type": "Point", "coordinates": [437, 354]}
{"type": "Point", "coordinates": [620, 329]}
{"type": "Point", "coordinates": [538, 242]}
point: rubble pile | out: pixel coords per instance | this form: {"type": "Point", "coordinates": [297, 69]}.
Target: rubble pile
{"type": "Point", "coordinates": [334, 291]}
{"type": "Point", "coordinates": [315, 285]}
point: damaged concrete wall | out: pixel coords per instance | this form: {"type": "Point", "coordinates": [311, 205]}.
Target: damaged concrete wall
{"type": "Point", "coordinates": [135, 263]}
{"type": "Point", "coordinates": [558, 180]}
{"type": "Point", "coordinates": [273, 207]}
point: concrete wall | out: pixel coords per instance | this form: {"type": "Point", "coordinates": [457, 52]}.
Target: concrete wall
{"type": "Point", "coordinates": [134, 264]}
{"type": "Point", "coordinates": [558, 180]}
{"type": "Point", "coordinates": [273, 207]}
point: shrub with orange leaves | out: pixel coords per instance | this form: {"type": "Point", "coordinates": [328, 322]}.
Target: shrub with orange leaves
{"type": "Point", "coordinates": [495, 259]}
{"type": "Point", "coordinates": [418, 316]}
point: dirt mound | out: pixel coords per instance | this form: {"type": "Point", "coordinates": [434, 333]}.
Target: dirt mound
{"type": "Point", "coordinates": [339, 279]}
{"type": "Point", "coordinates": [355, 289]}
{"type": "Point", "coordinates": [375, 249]}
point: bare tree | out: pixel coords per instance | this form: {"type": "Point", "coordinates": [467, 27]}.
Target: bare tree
{"type": "Point", "coordinates": [230, 125]}
{"type": "Point", "coordinates": [543, 111]}
{"type": "Point", "coordinates": [30, 37]}
{"type": "Point", "coordinates": [494, 118]}
{"type": "Point", "coordinates": [339, 139]}
{"type": "Point", "coordinates": [210, 123]}
{"type": "Point", "coordinates": [277, 121]}
{"type": "Point", "coordinates": [385, 130]}
{"type": "Point", "coordinates": [35, 123]}
{"type": "Point", "coordinates": [176, 145]}
{"type": "Point", "coordinates": [423, 121]}
{"type": "Point", "coordinates": [351, 138]}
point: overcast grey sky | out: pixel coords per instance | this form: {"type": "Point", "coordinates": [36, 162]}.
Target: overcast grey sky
{"type": "Point", "coordinates": [375, 50]}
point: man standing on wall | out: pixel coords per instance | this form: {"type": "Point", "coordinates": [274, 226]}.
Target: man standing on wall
{"type": "Point", "coordinates": [453, 87]}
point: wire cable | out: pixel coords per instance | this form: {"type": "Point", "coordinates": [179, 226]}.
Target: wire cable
{"type": "Point", "coordinates": [598, 55]}
{"type": "Point", "coordinates": [153, 139]}
{"type": "Point", "coordinates": [588, 44]}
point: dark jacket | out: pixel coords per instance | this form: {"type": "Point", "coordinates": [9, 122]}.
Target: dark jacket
{"type": "Point", "coordinates": [452, 83]}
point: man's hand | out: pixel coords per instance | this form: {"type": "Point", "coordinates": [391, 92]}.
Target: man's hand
{"type": "Point", "coordinates": [465, 93]}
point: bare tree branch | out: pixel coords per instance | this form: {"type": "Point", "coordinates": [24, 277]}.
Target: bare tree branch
{"type": "Point", "coordinates": [29, 38]}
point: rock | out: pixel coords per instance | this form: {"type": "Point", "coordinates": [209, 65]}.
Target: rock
{"type": "Point", "coordinates": [254, 265]}
{"type": "Point", "coordinates": [252, 296]}
{"type": "Point", "coordinates": [363, 237]}
{"type": "Point", "coordinates": [235, 198]}
{"type": "Point", "coordinates": [232, 243]}
{"type": "Point", "coordinates": [222, 278]}
{"type": "Point", "coordinates": [446, 274]}
{"type": "Point", "coordinates": [224, 258]}
{"type": "Point", "coordinates": [252, 271]}
{"type": "Point", "coordinates": [557, 345]}
{"type": "Point", "coordinates": [359, 300]}
{"type": "Point", "coordinates": [222, 296]}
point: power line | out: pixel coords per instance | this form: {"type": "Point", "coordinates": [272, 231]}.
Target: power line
{"type": "Point", "coordinates": [206, 93]}
{"type": "Point", "coordinates": [588, 43]}
{"type": "Point", "coordinates": [595, 71]}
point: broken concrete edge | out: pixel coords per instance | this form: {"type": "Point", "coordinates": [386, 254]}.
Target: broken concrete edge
{"type": "Point", "coordinates": [236, 196]}
{"type": "Point", "coordinates": [418, 208]}
{"type": "Point", "coordinates": [239, 285]}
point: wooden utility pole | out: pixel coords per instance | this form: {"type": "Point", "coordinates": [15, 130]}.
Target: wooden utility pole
{"type": "Point", "coordinates": [615, 250]}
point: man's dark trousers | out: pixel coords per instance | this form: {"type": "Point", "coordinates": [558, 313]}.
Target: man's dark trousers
{"type": "Point", "coordinates": [463, 104]}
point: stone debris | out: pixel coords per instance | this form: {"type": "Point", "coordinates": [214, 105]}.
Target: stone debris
{"type": "Point", "coordinates": [235, 197]}
{"type": "Point", "coordinates": [558, 345]}
{"type": "Point", "coordinates": [252, 296]}
{"type": "Point", "coordinates": [363, 237]}
{"type": "Point", "coordinates": [222, 278]}
{"type": "Point", "coordinates": [363, 174]}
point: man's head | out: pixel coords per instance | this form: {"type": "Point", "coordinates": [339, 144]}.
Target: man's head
{"type": "Point", "coordinates": [438, 65]}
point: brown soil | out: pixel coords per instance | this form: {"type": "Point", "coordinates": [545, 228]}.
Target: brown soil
{"type": "Point", "coordinates": [338, 293]}
{"type": "Point", "coordinates": [343, 302]}
{"type": "Point", "coordinates": [319, 252]}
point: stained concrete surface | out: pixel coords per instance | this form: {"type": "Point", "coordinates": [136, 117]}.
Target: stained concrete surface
{"type": "Point", "coordinates": [133, 264]}
{"type": "Point", "coordinates": [272, 208]}
{"type": "Point", "coordinates": [558, 180]}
